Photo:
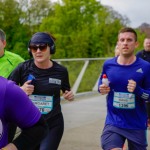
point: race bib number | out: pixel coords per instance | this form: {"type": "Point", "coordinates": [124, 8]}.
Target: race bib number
{"type": "Point", "coordinates": [43, 103]}
{"type": "Point", "coordinates": [123, 100]}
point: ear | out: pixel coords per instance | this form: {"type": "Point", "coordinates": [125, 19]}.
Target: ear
{"type": "Point", "coordinates": [4, 43]}
{"type": "Point", "coordinates": [136, 44]}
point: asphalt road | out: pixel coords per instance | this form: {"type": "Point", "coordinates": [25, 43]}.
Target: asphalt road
{"type": "Point", "coordinates": [84, 120]}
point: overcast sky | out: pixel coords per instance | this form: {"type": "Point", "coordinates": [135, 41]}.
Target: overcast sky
{"type": "Point", "coordinates": [138, 11]}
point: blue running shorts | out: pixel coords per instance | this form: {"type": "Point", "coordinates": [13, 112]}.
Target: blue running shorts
{"type": "Point", "coordinates": [114, 137]}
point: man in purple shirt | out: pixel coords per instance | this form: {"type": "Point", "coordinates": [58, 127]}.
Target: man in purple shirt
{"type": "Point", "coordinates": [16, 107]}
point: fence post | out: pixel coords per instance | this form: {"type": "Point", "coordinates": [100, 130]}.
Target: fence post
{"type": "Point", "coordinates": [80, 76]}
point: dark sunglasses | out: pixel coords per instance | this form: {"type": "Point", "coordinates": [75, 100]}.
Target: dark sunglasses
{"type": "Point", "coordinates": [41, 47]}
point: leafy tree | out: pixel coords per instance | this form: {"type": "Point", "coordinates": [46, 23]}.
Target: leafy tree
{"type": "Point", "coordinates": [83, 28]}
{"type": "Point", "coordinates": [33, 12]}
{"type": "Point", "coordinates": [16, 33]}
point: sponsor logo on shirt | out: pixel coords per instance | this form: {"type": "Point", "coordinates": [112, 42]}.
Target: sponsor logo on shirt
{"type": "Point", "coordinates": [145, 95]}
{"type": "Point", "coordinates": [55, 81]}
{"type": "Point", "coordinates": [140, 70]}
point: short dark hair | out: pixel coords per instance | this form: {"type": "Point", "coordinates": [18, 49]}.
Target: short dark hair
{"type": "Point", "coordinates": [128, 29]}
{"type": "Point", "coordinates": [2, 35]}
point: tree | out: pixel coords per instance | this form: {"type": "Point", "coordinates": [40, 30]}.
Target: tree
{"type": "Point", "coordinates": [34, 12]}
{"type": "Point", "coordinates": [15, 31]}
{"type": "Point", "coordinates": [83, 28]}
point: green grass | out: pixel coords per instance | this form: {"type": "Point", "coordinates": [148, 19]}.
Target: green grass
{"type": "Point", "coordinates": [90, 76]}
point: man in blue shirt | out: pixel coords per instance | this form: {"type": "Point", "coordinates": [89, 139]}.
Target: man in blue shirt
{"type": "Point", "coordinates": [128, 89]}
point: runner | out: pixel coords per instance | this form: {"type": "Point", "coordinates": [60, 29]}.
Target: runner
{"type": "Point", "coordinates": [128, 89]}
{"type": "Point", "coordinates": [8, 60]}
{"type": "Point", "coordinates": [16, 107]}
{"type": "Point", "coordinates": [43, 80]}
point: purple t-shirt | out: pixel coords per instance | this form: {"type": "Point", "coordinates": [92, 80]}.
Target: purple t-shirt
{"type": "Point", "coordinates": [16, 107]}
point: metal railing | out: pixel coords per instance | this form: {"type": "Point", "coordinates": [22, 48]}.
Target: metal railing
{"type": "Point", "coordinates": [80, 76]}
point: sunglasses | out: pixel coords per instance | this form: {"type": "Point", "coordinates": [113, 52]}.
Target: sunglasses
{"type": "Point", "coordinates": [41, 47]}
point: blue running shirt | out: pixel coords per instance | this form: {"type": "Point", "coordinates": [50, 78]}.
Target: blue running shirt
{"type": "Point", "coordinates": [124, 109]}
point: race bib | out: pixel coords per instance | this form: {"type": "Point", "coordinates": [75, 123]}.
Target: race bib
{"type": "Point", "coordinates": [123, 100]}
{"type": "Point", "coordinates": [43, 103]}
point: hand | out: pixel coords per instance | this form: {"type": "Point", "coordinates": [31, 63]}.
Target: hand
{"type": "Point", "coordinates": [68, 95]}
{"type": "Point", "coordinates": [104, 89]}
{"type": "Point", "coordinates": [131, 86]}
{"type": "Point", "coordinates": [27, 87]}
{"type": "Point", "coordinates": [10, 146]}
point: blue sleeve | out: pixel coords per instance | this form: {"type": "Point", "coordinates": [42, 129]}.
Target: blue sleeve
{"type": "Point", "coordinates": [143, 92]}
